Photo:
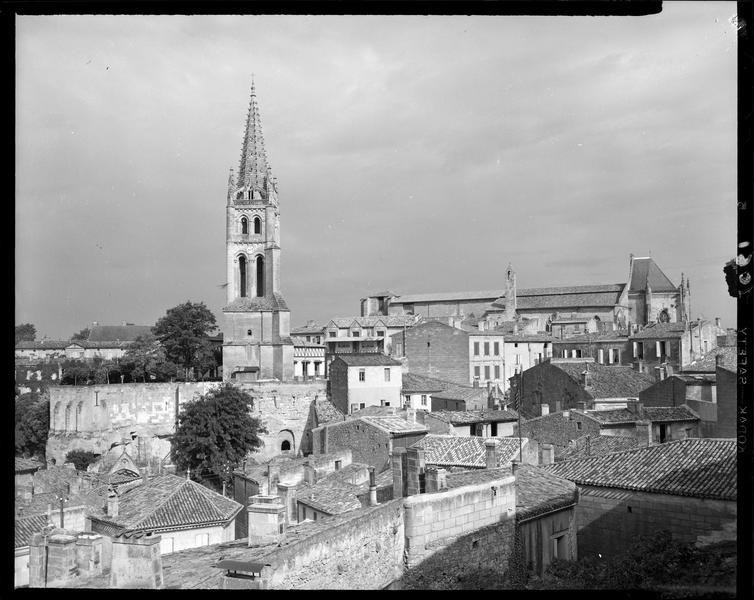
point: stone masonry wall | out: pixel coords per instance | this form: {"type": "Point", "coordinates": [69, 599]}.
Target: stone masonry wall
{"type": "Point", "coordinates": [558, 430]}
{"type": "Point", "coordinates": [368, 444]}
{"type": "Point", "coordinates": [446, 357]}
{"type": "Point", "coordinates": [94, 417]}
{"type": "Point", "coordinates": [452, 534]}
{"type": "Point", "coordinates": [609, 520]}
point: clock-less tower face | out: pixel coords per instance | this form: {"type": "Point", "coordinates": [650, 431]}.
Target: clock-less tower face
{"type": "Point", "coordinates": [256, 332]}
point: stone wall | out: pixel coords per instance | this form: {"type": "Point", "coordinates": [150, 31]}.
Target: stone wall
{"type": "Point", "coordinates": [446, 357]}
{"type": "Point", "coordinates": [609, 520]}
{"type": "Point", "coordinates": [558, 430]}
{"type": "Point", "coordinates": [94, 417]}
{"type": "Point", "coordinates": [547, 384]}
{"type": "Point", "coordinates": [368, 444]}
{"type": "Point", "coordinates": [549, 536]}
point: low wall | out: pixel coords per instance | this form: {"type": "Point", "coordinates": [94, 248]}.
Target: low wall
{"type": "Point", "coordinates": [609, 520]}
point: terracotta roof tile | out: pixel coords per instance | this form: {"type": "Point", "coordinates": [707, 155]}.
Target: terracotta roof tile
{"type": "Point", "coordinates": [644, 273]}
{"type": "Point", "coordinates": [457, 451]}
{"type": "Point", "coordinates": [608, 381]}
{"type": "Point", "coordinates": [669, 413]}
{"type": "Point", "coordinates": [413, 382]}
{"type": "Point", "coordinates": [394, 424]}
{"type": "Point", "coordinates": [367, 359]}
{"type": "Point", "coordinates": [539, 491]}
{"type": "Point", "coordinates": [27, 465]}
{"type": "Point", "coordinates": [659, 331]}
{"type": "Point", "coordinates": [598, 445]}
{"type": "Point", "coordinates": [326, 411]}
{"type": "Point", "coordinates": [27, 527]}
{"type": "Point", "coordinates": [709, 362]}
{"type": "Point", "coordinates": [462, 417]}
{"type": "Point", "coordinates": [700, 468]}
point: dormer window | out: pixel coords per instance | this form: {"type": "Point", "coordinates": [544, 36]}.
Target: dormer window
{"type": "Point", "coordinates": [257, 225]}
{"type": "Point", "coordinates": [244, 226]}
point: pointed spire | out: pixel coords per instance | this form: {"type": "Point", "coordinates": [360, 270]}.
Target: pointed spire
{"type": "Point", "coordinates": [231, 185]}
{"type": "Point", "coordinates": [254, 170]}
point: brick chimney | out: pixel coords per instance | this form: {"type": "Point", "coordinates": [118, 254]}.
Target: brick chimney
{"type": "Point", "coordinates": [548, 454]}
{"type": "Point", "coordinates": [372, 488]}
{"type": "Point", "coordinates": [644, 433]}
{"type": "Point", "coordinates": [490, 454]}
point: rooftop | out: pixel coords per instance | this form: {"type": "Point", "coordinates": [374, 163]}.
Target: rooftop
{"type": "Point", "coordinates": [122, 333]}
{"type": "Point", "coordinates": [375, 321]}
{"type": "Point", "coordinates": [708, 363]}
{"type": "Point", "coordinates": [608, 381]}
{"type": "Point", "coordinates": [412, 382]}
{"type": "Point", "coordinates": [646, 274]}
{"type": "Point", "coordinates": [659, 331]}
{"type": "Point", "coordinates": [598, 445]}
{"type": "Point", "coordinates": [367, 359]}
{"type": "Point", "coordinates": [394, 424]}
{"type": "Point", "coordinates": [470, 452]}
{"type": "Point", "coordinates": [264, 303]}
{"type": "Point", "coordinates": [326, 411]}
{"type": "Point", "coordinates": [27, 527]}
{"type": "Point", "coordinates": [463, 417]}
{"type": "Point", "coordinates": [27, 465]}
{"type": "Point", "coordinates": [700, 468]}
{"type": "Point", "coordinates": [539, 491]}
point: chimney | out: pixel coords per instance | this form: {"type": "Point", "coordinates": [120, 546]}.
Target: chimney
{"type": "Point", "coordinates": [123, 323]}
{"type": "Point", "coordinates": [435, 478]}
{"type": "Point", "coordinates": [644, 433]}
{"type": "Point", "coordinates": [659, 375]}
{"type": "Point", "coordinates": [515, 464]}
{"type": "Point", "coordinates": [414, 471]}
{"type": "Point", "coordinates": [490, 454]}
{"type": "Point", "coordinates": [717, 321]}
{"type": "Point", "coordinates": [411, 415]}
{"type": "Point", "coordinates": [567, 415]}
{"type": "Point", "coordinates": [112, 503]}
{"type": "Point", "coordinates": [136, 561]}
{"type": "Point", "coordinates": [545, 409]}
{"type": "Point", "coordinates": [310, 474]}
{"type": "Point", "coordinates": [548, 454]}
{"type": "Point", "coordinates": [266, 519]}
{"type": "Point", "coordinates": [372, 488]}
{"type": "Point", "coordinates": [398, 465]}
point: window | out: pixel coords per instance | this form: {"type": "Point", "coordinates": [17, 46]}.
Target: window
{"type": "Point", "coordinates": [260, 276]}
{"type": "Point", "coordinates": [601, 355]}
{"type": "Point", "coordinates": [244, 225]}
{"type": "Point", "coordinates": [578, 425]}
{"type": "Point", "coordinates": [354, 408]}
{"type": "Point", "coordinates": [308, 338]}
{"type": "Point", "coordinates": [493, 429]}
{"type": "Point", "coordinates": [332, 333]}
{"type": "Point", "coordinates": [476, 372]}
{"type": "Point", "coordinates": [559, 549]}
{"type": "Point", "coordinates": [486, 348]}
{"type": "Point", "coordinates": [486, 372]}
{"type": "Point", "coordinates": [381, 332]}
{"type": "Point", "coordinates": [476, 348]}
{"type": "Point", "coordinates": [424, 403]}
{"type": "Point", "coordinates": [285, 446]}
{"type": "Point", "coordinates": [565, 353]}
{"type": "Point", "coordinates": [362, 375]}
{"type": "Point", "coordinates": [257, 225]}
{"type": "Point", "coordinates": [248, 332]}
{"type": "Point", "coordinates": [384, 403]}
{"type": "Point", "coordinates": [361, 405]}
{"type": "Point", "coordinates": [399, 349]}
{"type": "Point", "coordinates": [242, 275]}
{"type": "Point", "coordinates": [355, 333]}
{"type": "Point", "coordinates": [518, 359]}
{"type": "Point", "coordinates": [515, 345]}
{"type": "Point", "coordinates": [338, 464]}
{"type": "Point", "coordinates": [387, 374]}
{"type": "Point", "coordinates": [614, 355]}
{"type": "Point", "coordinates": [496, 349]}
{"type": "Point", "coordinates": [497, 371]}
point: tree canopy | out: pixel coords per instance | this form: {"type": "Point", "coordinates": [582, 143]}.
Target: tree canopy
{"type": "Point", "coordinates": [184, 334]}
{"type": "Point", "coordinates": [81, 335]}
{"type": "Point", "coordinates": [215, 433]}
{"type": "Point", "coordinates": [32, 427]}
{"type": "Point", "coordinates": [26, 333]}
{"type": "Point", "coordinates": [145, 358]}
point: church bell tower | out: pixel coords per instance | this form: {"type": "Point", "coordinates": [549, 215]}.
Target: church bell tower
{"type": "Point", "coordinates": [256, 327]}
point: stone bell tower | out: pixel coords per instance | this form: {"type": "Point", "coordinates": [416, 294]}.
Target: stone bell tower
{"type": "Point", "coordinates": [256, 327]}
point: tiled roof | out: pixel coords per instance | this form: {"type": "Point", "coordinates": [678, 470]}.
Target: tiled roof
{"type": "Point", "coordinates": [699, 378]}
{"type": "Point", "coordinates": [529, 337]}
{"type": "Point", "coordinates": [376, 320]}
{"type": "Point", "coordinates": [611, 416]}
{"type": "Point", "coordinates": [598, 445]}
{"type": "Point", "coordinates": [659, 331]}
{"type": "Point", "coordinates": [670, 413]}
{"type": "Point", "coordinates": [326, 411]}
{"type": "Point", "coordinates": [539, 491]}
{"type": "Point", "coordinates": [565, 297]}
{"type": "Point", "coordinates": [171, 501]}
{"type": "Point", "coordinates": [608, 381]}
{"type": "Point", "coordinates": [367, 359]}
{"type": "Point", "coordinates": [644, 273]}
{"type": "Point", "coordinates": [700, 468]}
{"type": "Point", "coordinates": [394, 424]}
{"type": "Point", "coordinates": [709, 362]}
{"type": "Point", "coordinates": [41, 345]}
{"type": "Point", "coordinates": [591, 338]}
{"type": "Point", "coordinates": [337, 492]}
{"type": "Point", "coordinates": [26, 465]}
{"type": "Point", "coordinates": [456, 479]}
{"type": "Point", "coordinates": [122, 333]}
{"type": "Point", "coordinates": [27, 527]}
{"type": "Point", "coordinates": [457, 451]}
{"type": "Point", "coordinates": [448, 296]}
{"type": "Point", "coordinates": [274, 302]}
{"type": "Point", "coordinates": [463, 417]}
{"type": "Point", "coordinates": [308, 330]}
{"type": "Point", "coordinates": [413, 382]}
{"type": "Point", "coordinates": [380, 295]}
{"type": "Point", "coordinates": [301, 342]}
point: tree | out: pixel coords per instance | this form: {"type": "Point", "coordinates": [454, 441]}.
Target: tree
{"type": "Point", "coordinates": [76, 370]}
{"type": "Point", "coordinates": [215, 433]}
{"type": "Point", "coordinates": [184, 333]}
{"type": "Point", "coordinates": [25, 333]}
{"type": "Point", "coordinates": [145, 357]}
{"type": "Point", "coordinates": [81, 459]}
{"type": "Point", "coordinates": [33, 428]}
{"type": "Point", "coordinates": [81, 335]}
{"type": "Point", "coordinates": [25, 403]}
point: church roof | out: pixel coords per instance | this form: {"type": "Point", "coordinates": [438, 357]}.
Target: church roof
{"type": "Point", "coordinates": [246, 304]}
{"type": "Point", "coordinates": [645, 273]}
{"type": "Point", "coordinates": [117, 333]}
{"type": "Point", "coordinates": [254, 169]}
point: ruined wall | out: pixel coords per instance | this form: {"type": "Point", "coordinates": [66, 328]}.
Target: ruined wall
{"type": "Point", "coordinates": [94, 417]}
{"type": "Point", "coordinates": [609, 520]}
{"type": "Point", "coordinates": [453, 534]}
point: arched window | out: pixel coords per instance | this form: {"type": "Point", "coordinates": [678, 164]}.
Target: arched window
{"type": "Point", "coordinates": [260, 276]}
{"type": "Point", "coordinates": [257, 225]}
{"type": "Point", "coordinates": [242, 275]}
{"type": "Point", "coordinates": [67, 417]}
{"type": "Point", "coordinates": [244, 225]}
{"type": "Point", "coordinates": [78, 417]}
{"type": "Point", "coordinates": [664, 317]}
{"type": "Point", "coordinates": [285, 446]}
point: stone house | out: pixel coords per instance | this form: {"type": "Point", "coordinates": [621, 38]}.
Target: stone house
{"type": "Point", "coordinates": [371, 439]}
{"type": "Point", "coordinates": [545, 517]}
{"type": "Point", "coordinates": [666, 423]}
{"type": "Point", "coordinates": [361, 380]}
{"type": "Point", "coordinates": [606, 348]}
{"type": "Point", "coordinates": [311, 332]}
{"type": "Point", "coordinates": [184, 513]}
{"type": "Point", "coordinates": [523, 351]}
{"type": "Point", "coordinates": [352, 335]}
{"type": "Point", "coordinates": [24, 477]}
{"type": "Point", "coordinates": [455, 453]}
{"type": "Point", "coordinates": [561, 384]}
{"type": "Point", "coordinates": [589, 445]}
{"type": "Point", "coordinates": [461, 398]}
{"type": "Point", "coordinates": [417, 390]}
{"type": "Point", "coordinates": [688, 487]}
{"type": "Point", "coordinates": [464, 423]}
{"type": "Point", "coordinates": [308, 358]}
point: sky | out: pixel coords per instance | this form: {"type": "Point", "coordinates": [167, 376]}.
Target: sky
{"type": "Point", "coordinates": [413, 153]}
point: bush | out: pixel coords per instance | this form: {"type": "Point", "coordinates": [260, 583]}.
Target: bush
{"type": "Point", "coordinates": [81, 459]}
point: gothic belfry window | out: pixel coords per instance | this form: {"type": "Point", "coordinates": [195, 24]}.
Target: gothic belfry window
{"type": "Point", "coordinates": [245, 225]}
{"type": "Point", "coordinates": [242, 275]}
{"type": "Point", "coordinates": [257, 225]}
{"type": "Point", "coordinates": [260, 276]}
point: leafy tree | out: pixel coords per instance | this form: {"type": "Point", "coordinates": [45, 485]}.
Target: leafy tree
{"type": "Point", "coordinates": [81, 335]}
{"type": "Point", "coordinates": [76, 371]}
{"type": "Point", "coordinates": [26, 333]}
{"type": "Point", "coordinates": [215, 433]}
{"type": "Point", "coordinates": [33, 428]}
{"type": "Point", "coordinates": [25, 403]}
{"type": "Point", "coordinates": [81, 459]}
{"type": "Point", "coordinates": [144, 357]}
{"type": "Point", "coordinates": [184, 333]}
